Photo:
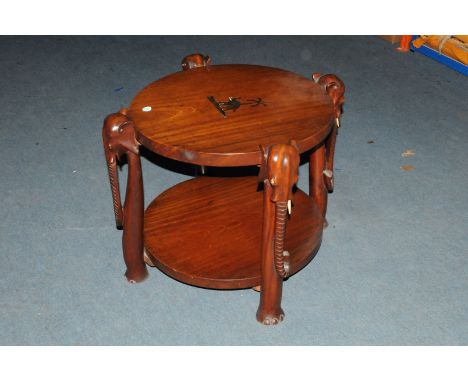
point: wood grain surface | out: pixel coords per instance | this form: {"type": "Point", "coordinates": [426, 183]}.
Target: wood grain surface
{"type": "Point", "coordinates": [173, 116]}
{"type": "Point", "coordinates": [208, 232]}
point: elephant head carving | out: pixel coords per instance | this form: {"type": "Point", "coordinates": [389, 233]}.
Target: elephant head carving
{"type": "Point", "coordinates": [280, 167]}
{"type": "Point", "coordinates": [334, 87]}
{"type": "Point", "coordinates": [118, 138]}
{"type": "Point", "coordinates": [196, 60]}
{"type": "Point", "coordinates": [279, 173]}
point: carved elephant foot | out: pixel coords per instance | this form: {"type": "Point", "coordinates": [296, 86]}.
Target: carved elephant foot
{"type": "Point", "coordinates": [134, 277]}
{"type": "Point", "coordinates": [270, 317]}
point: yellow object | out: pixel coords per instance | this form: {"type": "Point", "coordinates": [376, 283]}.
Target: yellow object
{"type": "Point", "coordinates": [462, 38]}
{"type": "Point", "coordinates": [455, 47]}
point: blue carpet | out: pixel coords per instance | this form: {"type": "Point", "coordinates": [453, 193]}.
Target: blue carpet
{"type": "Point", "coordinates": [393, 267]}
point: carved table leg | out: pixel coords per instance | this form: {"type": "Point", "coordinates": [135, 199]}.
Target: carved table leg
{"type": "Point", "coordinates": [132, 238]}
{"type": "Point", "coordinates": [335, 89]}
{"type": "Point", "coordinates": [279, 174]}
{"type": "Point", "coordinates": [321, 175]}
{"type": "Point", "coordinates": [317, 188]}
{"type": "Point", "coordinates": [330, 155]}
{"type": "Point", "coordinates": [119, 140]}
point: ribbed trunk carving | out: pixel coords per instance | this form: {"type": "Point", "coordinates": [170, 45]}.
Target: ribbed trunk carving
{"type": "Point", "coordinates": [115, 189]}
{"type": "Point", "coordinates": [279, 173]}
{"type": "Point", "coordinates": [281, 216]}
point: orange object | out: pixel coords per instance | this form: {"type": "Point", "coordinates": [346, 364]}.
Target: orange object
{"type": "Point", "coordinates": [404, 44]}
{"type": "Point", "coordinates": [455, 47]}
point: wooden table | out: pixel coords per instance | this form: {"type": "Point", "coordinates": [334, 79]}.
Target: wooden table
{"type": "Point", "coordinates": [227, 232]}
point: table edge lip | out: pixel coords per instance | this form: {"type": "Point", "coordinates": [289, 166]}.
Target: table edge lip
{"type": "Point", "coordinates": [207, 68]}
{"type": "Point", "coordinates": [218, 159]}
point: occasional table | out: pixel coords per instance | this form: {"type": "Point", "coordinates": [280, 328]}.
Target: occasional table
{"type": "Point", "coordinates": [227, 232]}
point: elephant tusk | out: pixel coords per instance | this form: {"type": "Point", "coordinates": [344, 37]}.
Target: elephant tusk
{"type": "Point", "coordinates": [328, 173]}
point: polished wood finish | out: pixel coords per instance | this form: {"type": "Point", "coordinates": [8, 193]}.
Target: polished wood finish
{"type": "Point", "coordinates": [207, 232]}
{"type": "Point", "coordinates": [184, 125]}
{"type": "Point", "coordinates": [335, 88]}
{"type": "Point", "coordinates": [228, 233]}
{"type": "Point", "coordinates": [118, 136]}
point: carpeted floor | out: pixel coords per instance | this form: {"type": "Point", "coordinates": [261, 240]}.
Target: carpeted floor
{"type": "Point", "coordinates": [393, 267]}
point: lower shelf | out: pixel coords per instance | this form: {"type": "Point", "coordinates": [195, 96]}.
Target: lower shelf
{"type": "Point", "coordinates": [207, 232]}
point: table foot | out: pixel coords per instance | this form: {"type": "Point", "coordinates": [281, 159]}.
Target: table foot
{"type": "Point", "coordinates": [136, 276]}
{"type": "Point", "coordinates": [270, 317]}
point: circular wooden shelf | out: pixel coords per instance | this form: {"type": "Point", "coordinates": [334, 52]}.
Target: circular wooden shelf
{"type": "Point", "coordinates": [174, 117]}
{"type": "Point", "coordinates": [207, 232]}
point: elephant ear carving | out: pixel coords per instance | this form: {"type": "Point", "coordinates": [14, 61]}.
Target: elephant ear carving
{"type": "Point", "coordinates": [334, 87]}
{"type": "Point", "coordinates": [196, 60]}
{"type": "Point", "coordinates": [282, 170]}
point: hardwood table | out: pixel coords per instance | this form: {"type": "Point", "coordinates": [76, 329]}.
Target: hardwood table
{"type": "Point", "coordinates": [227, 232]}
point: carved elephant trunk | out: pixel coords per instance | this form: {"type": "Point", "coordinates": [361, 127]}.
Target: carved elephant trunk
{"type": "Point", "coordinates": [281, 261]}
{"type": "Point", "coordinates": [114, 182]}
{"type": "Point", "coordinates": [111, 126]}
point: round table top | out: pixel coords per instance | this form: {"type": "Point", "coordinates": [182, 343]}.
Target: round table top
{"type": "Point", "coordinates": [220, 115]}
